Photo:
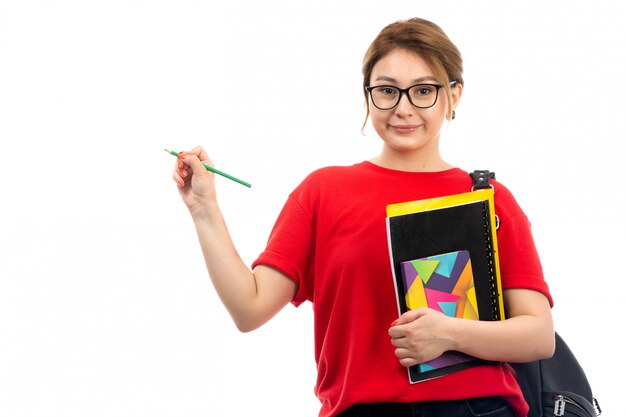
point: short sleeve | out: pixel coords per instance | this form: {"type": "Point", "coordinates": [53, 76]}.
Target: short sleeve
{"type": "Point", "coordinates": [520, 266]}
{"type": "Point", "coordinates": [290, 248]}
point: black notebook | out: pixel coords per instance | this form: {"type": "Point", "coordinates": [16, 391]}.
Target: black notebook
{"type": "Point", "coordinates": [444, 255]}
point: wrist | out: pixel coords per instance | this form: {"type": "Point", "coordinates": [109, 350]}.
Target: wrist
{"type": "Point", "coordinates": [454, 333]}
{"type": "Point", "coordinates": [204, 210]}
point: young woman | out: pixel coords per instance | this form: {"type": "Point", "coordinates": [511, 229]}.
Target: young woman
{"type": "Point", "coordinates": [329, 247]}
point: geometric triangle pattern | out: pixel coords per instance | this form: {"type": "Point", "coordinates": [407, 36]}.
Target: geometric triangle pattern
{"type": "Point", "coordinates": [416, 296]}
{"type": "Point", "coordinates": [441, 282]}
{"type": "Point", "coordinates": [425, 268]}
{"type": "Point", "coordinates": [444, 283]}
{"type": "Point", "coordinates": [448, 308]}
{"type": "Point", "coordinates": [446, 262]}
{"type": "Point", "coordinates": [435, 298]}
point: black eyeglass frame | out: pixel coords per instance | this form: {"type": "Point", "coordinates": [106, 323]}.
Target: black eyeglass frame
{"type": "Point", "coordinates": [405, 91]}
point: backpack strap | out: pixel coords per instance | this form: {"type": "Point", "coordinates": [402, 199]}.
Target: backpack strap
{"type": "Point", "coordinates": [481, 178]}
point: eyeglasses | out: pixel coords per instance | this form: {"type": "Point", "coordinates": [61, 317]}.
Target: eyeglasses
{"type": "Point", "coordinates": [422, 96]}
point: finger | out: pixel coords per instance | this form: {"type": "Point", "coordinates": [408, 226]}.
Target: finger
{"type": "Point", "coordinates": [407, 362]}
{"type": "Point", "coordinates": [177, 179]}
{"type": "Point", "coordinates": [398, 342]}
{"type": "Point", "coordinates": [179, 162]}
{"type": "Point", "coordinates": [393, 324]}
{"type": "Point", "coordinates": [201, 154]}
{"type": "Point", "coordinates": [412, 315]}
{"type": "Point", "coordinates": [196, 166]}
{"type": "Point", "coordinates": [397, 332]}
{"type": "Point", "coordinates": [405, 357]}
{"type": "Point", "coordinates": [180, 171]}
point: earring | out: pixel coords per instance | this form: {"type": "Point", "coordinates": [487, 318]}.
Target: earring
{"type": "Point", "coordinates": [453, 114]}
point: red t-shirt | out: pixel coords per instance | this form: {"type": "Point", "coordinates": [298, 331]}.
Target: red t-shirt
{"type": "Point", "coordinates": [331, 239]}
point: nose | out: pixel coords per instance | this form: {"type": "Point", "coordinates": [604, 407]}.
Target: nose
{"type": "Point", "coordinates": [404, 106]}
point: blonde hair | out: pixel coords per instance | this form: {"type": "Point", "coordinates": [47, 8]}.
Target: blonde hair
{"type": "Point", "coordinates": [424, 38]}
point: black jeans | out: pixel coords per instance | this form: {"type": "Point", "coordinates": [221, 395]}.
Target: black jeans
{"type": "Point", "coordinates": [475, 407]}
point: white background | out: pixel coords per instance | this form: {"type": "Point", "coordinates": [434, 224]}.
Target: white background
{"type": "Point", "coordinates": [105, 306]}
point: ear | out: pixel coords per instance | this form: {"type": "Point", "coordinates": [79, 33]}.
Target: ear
{"type": "Point", "coordinates": [457, 91]}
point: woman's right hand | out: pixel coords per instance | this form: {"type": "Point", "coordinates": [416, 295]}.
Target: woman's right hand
{"type": "Point", "coordinates": [196, 184]}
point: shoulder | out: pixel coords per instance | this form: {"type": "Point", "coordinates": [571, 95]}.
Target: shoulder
{"type": "Point", "coordinates": [333, 177]}
{"type": "Point", "coordinates": [505, 202]}
{"type": "Point", "coordinates": [332, 187]}
{"type": "Point", "coordinates": [337, 172]}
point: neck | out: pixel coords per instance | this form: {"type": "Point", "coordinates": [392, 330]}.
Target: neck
{"type": "Point", "coordinates": [400, 161]}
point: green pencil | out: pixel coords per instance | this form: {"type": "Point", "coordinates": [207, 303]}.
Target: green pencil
{"type": "Point", "coordinates": [217, 171]}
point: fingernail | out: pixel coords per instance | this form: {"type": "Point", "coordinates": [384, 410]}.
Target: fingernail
{"type": "Point", "coordinates": [181, 183]}
{"type": "Point", "coordinates": [395, 322]}
{"type": "Point", "coordinates": [183, 173]}
{"type": "Point", "coordinates": [181, 154]}
{"type": "Point", "coordinates": [180, 164]}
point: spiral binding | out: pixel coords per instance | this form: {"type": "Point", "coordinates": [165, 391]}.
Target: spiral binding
{"type": "Point", "coordinates": [491, 267]}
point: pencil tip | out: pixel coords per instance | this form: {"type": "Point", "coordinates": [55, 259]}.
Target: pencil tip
{"type": "Point", "coordinates": [166, 150]}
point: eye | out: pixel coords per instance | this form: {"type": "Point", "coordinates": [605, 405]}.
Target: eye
{"type": "Point", "coordinates": [386, 91]}
{"type": "Point", "coordinates": [423, 90]}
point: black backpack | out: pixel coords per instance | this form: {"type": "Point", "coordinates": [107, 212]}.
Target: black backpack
{"type": "Point", "coordinates": [552, 387]}
{"type": "Point", "coordinates": [557, 386]}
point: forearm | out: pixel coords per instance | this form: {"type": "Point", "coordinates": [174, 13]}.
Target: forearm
{"type": "Point", "coordinates": [526, 335]}
{"type": "Point", "coordinates": [234, 282]}
{"type": "Point", "coordinates": [518, 339]}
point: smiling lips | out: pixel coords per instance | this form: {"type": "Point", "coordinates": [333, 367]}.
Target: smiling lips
{"type": "Point", "coordinates": [404, 128]}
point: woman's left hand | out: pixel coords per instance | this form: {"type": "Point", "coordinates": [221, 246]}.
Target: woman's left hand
{"type": "Point", "coordinates": [418, 336]}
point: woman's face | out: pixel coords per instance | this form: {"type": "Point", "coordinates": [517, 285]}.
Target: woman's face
{"type": "Point", "coordinates": [406, 129]}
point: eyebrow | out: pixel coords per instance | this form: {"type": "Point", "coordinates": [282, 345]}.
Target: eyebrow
{"type": "Point", "coordinates": [416, 81]}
